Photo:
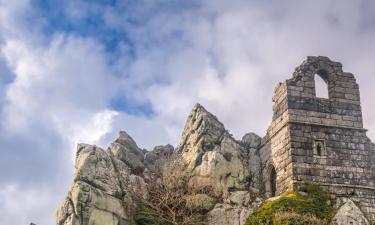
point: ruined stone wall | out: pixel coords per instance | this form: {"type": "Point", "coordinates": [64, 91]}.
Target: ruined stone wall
{"type": "Point", "coordinates": [344, 170]}
{"type": "Point", "coordinates": [275, 149]}
{"type": "Point", "coordinates": [345, 160]}
{"type": "Point", "coordinates": [321, 140]}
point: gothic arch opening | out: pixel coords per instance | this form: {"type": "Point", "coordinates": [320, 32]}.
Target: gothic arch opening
{"type": "Point", "coordinates": [271, 181]}
{"type": "Point", "coordinates": [321, 87]}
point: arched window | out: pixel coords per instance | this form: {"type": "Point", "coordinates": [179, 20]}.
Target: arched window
{"type": "Point", "coordinates": [271, 181]}
{"type": "Point", "coordinates": [321, 87]}
{"type": "Point", "coordinates": [319, 148]}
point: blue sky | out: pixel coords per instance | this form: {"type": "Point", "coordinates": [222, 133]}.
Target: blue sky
{"type": "Point", "coordinates": [79, 71]}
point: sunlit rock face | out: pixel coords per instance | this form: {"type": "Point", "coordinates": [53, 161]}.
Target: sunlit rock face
{"type": "Point", "coordinates": [349, 213]}
{"type": "Point", "coordinates": [106, 183]}
{"type": "Point", "coordinates": [212, 156]}
{"type": "Point", "coordinates": [96, 195]}
{"type": "Point", "coordinates": [310, 140]}
{"type": "Point", "coordinates": [216, 161]}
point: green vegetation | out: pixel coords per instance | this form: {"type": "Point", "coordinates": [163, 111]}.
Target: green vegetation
{"type": "Point", "coordinates": [294, 209]}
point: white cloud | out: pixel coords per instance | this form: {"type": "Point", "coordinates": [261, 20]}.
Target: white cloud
{"type": "Point", "coordinates": [91, 130]}
{"type": "Point", "coordinates": [62, 86]}
{"type": "Point", "coordinates": [63, 82]}
{"type": "Point", "coordinates": [23, 205]}
{"type": "Point", "coordinates": [230, 62]}
{"type": "Point", "coordinates": [227, 55]}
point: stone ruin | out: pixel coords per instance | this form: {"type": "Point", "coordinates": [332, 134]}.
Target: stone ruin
{"type": "Point", "coordinates": [310, 140]}
{"type": "Point", "coordinates": [319, 140]}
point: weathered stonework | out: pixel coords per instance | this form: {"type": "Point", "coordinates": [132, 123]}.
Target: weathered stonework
{"type": "Point", "coordinates": [317, 140]}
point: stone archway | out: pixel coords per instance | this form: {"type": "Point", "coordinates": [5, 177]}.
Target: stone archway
{"type": "Point", "coordinates": [271, 181]}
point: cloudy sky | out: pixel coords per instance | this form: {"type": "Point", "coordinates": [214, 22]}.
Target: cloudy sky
{"type": "Point", "coordinates": [79, 71]}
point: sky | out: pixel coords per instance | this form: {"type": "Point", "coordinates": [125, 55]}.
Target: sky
{"type": "Point", "coordinates": [79, 71]}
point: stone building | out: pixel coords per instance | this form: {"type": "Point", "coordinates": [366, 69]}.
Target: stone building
{"type": "Point", "coordinates": [319, 140]}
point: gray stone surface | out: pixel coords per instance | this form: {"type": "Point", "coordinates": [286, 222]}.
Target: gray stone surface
{"type": "Point", "coordinates": [96, 196]}
{"type": "Point", "coordinates": [310, 139]}
{"type": "Point", "coordinates": [213, 157]}
{"type": "Point", "coordinates": [105, 186]}
{"type": "Point", "coordinates": [158, 155]}
{"type": "Point", "coordinates": [349, 213]}
{"type": "Point", "coordinates": [125, 149]}
{"type": "Point", "coordinates": [251, 140]}
{"type": "Point", "coordinates": [319, 140]}
{"type": "Point", "coordinates": [234, 212]}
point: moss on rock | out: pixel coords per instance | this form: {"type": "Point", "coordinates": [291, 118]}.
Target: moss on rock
{"type": "Point", "coordinates": [292, 208]}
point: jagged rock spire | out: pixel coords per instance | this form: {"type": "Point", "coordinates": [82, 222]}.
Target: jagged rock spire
{"type": "Point", "coordinates": [125, 149]}
{"type": "Point", "coordinates": [200, 124]}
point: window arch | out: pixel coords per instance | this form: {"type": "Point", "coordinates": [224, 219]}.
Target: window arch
{"type": "Point", "coordinates": [319, 148]}
{"type": "Point", "coordinates": [271, 181]}
{"type": "Point", "coordinates": [321, 87]}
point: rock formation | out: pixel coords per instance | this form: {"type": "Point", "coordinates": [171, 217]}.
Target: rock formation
{"type": "Point", "coordinates": [349, 213]}
{"type": "Point", "coordinates": [212, 155]}
{"type": "Point", "coordinates": [227, 179]}
{"type": "Point", "coordinates": [106, 183]}
{"type": "Point", "coordinates": [217, 161]}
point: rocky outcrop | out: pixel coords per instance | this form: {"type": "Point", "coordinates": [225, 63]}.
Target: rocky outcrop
{"type": "Point", "coordinates": [349, 213]}
{"type": "Point", "coordinates": [158, 155]}
{"type": "Point", "coordinates": [218, 162]}
{"type": "Point", "coordinates": [235, 210]}
{"type": "Point", "coordinates": [126, 150]}
{"type": "Point", "coordinates": [213, 157]}
{"type": "Point", "coordinates": [252, 141]}
{"type": "Point", "coordinates": [224, 177]}
{"type": "Point", "coordinates": [105, 185]}
{"type": "Point", "coordinates": [96, 196]}
{"type": "Point", "coordinates": [222, 173]}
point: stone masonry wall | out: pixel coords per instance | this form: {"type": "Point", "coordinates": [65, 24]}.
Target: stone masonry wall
{"type": "Point", "coordinates": [321, 140]}
{"type": "Point", "coordinates": [275, 148]}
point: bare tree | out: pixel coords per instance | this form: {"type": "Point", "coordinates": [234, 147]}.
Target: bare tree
{"type": "Point", "coordinates": [169, 201]}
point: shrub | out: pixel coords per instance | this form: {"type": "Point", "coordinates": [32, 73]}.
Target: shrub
{"type": "Point", "coordinates": [171, 202]}
{"type": "Point", "coordinates": [199, 202]}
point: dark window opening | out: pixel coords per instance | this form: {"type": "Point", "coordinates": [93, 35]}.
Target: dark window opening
{"type": "Point", "coordinates": [273, 181]}
{"type": "Point", "coordinates": [321, 87]}
{"type": "Point", "coordinates": [319, 150]}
